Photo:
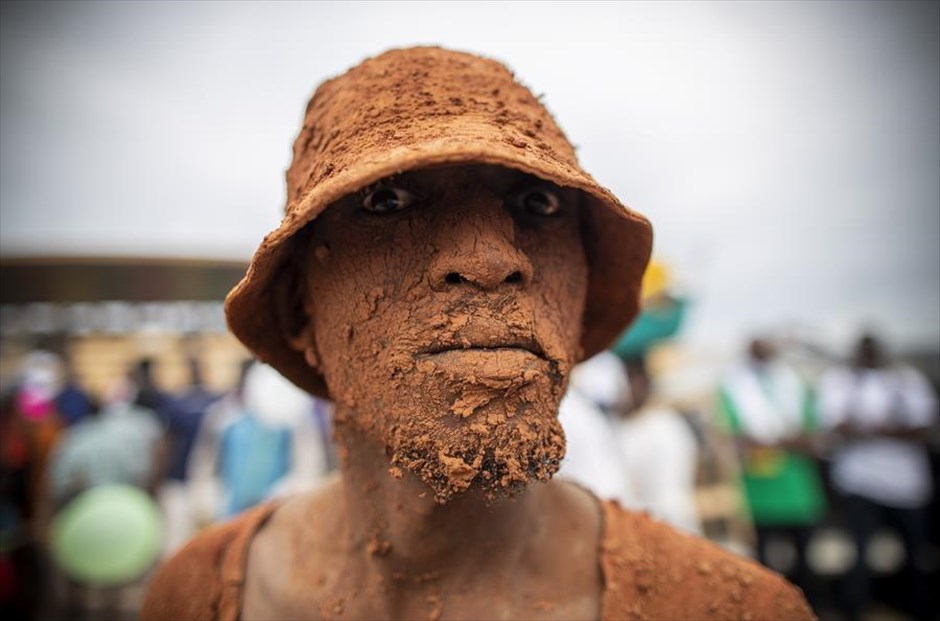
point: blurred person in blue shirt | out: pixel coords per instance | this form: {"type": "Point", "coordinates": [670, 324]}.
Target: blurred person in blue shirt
{"type": "Point", "coordinates": [147, 394]}
{"type": "Point", "coordinates": [259, 441]}
{"type": "Point", "coordinates": [183, 415]}
{"type": "Point", "coordinates": [73, 402]}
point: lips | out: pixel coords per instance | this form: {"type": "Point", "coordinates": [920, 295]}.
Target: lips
{"type": "Point", "coordinates": [496, 362]}
{"type": "Point", "coordinates": [491, 343]}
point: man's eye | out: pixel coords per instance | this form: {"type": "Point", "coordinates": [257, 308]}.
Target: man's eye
{"type": "Point", "coordinates": [539, 202]}
{"type": "Point", "coordinates": [387, 200]}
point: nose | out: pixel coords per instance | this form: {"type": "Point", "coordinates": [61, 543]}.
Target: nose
{"type": "Point", "coordinates": [477, 248]}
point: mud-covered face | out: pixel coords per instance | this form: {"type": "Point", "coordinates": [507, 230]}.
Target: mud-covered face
{"type": "Point", "coordinates": [446, 306]}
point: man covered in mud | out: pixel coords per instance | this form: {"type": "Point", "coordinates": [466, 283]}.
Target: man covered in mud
{"type": "Point", "coordinates": [443, 263]}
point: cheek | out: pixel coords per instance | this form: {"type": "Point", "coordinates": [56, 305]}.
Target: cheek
{"type": "Point", "coordinates": [359, 290]}
{"type": "Point", "coordinates": [560, 280]}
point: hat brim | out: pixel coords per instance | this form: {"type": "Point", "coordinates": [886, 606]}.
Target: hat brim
{"type": "Point", "coordinates": [617, 242]}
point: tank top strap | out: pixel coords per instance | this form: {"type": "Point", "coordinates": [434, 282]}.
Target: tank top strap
{"type": "Point", "coordinates": [235, 559]}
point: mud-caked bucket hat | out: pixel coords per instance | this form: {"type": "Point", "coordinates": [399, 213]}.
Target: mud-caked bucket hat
{"type": "Point", "coordinates": [416, 108]}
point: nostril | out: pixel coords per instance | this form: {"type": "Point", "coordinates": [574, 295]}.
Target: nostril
{"type": "Point", "coordinates": [453, 278]}
{"type": "Point", "coordinates": [514, 277]}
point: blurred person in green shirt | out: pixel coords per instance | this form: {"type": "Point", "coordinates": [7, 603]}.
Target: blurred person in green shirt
{"type": "Point", "coordinates": [769, 410]}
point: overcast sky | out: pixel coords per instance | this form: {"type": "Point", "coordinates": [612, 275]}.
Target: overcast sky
{"type": "Point", "coordinates": [787, 153]}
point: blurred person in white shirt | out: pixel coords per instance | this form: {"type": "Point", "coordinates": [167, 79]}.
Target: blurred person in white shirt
{"type": "Point", "coordinates": [660, 453]}
{"type": "Point", "coordinates": [121, 444]}
{"type": "Point", "coordinates": [881, 416]}
{"type": "Point", "coordinates": [596, 390]}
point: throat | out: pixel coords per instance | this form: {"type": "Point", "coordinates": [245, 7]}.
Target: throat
{"type": "Point", "coordinates": [400, 528]}
{"type": "Point", "coordinates": [396, 552]}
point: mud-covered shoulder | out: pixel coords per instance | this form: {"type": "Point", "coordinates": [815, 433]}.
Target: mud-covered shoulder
{"type": "Point", "coordinates": [196, 582]}
{"type": "Point", "coordinates": [787, 601]}
{"type": "Point", "coordinates": [188, 584]}
{"type": "Point", "coordinates": [652, 571]}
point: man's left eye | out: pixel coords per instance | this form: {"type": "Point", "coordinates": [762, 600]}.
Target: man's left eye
{"type": "Point", "coordinates": [387, 200]}
{"type": "Point", "coordinates": [539, 202]}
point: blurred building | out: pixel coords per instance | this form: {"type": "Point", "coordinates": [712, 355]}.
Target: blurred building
{"type": "Point", "coordinates": [102, 314]}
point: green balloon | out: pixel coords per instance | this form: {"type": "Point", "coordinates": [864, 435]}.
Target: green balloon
{"type": "Point", "coordinates": [108, 536]}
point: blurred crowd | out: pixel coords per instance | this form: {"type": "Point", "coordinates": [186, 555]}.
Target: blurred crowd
{"type": "Point", "coordinates": [820, 475]}
{"type": "Point", "coordinates": [824, 471]}
{"type": "Point", "coordinates": [95, 491]}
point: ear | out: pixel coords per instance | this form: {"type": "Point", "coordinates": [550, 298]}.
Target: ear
{"type": "Point", "coordinates": [295, 315]}
{"type": "Point", "coordinates": [306, 342]}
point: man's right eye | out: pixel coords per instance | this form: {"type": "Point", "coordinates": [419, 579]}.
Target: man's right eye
{"type": "Point", "coordinates": [539, 202]}
{"type": "Point", "coordinates": [387, 200]}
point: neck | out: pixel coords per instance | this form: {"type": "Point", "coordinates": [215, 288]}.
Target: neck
{"type": "Point", "coordinates": [397, 520]}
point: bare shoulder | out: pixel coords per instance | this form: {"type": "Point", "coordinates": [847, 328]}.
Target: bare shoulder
{"type": "Point", "coordinates": [654, 571]}
{"type": "Point", "coordinates": [289, 558]}
{"type": "Point", "coordinates": [190, 584]}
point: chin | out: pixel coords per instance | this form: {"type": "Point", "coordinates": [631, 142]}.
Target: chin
{"type": "Point", "coordinates": [507, 442]}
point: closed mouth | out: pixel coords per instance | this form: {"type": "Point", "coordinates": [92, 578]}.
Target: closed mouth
{"type": "Point", "coordinates": [494, 345]}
